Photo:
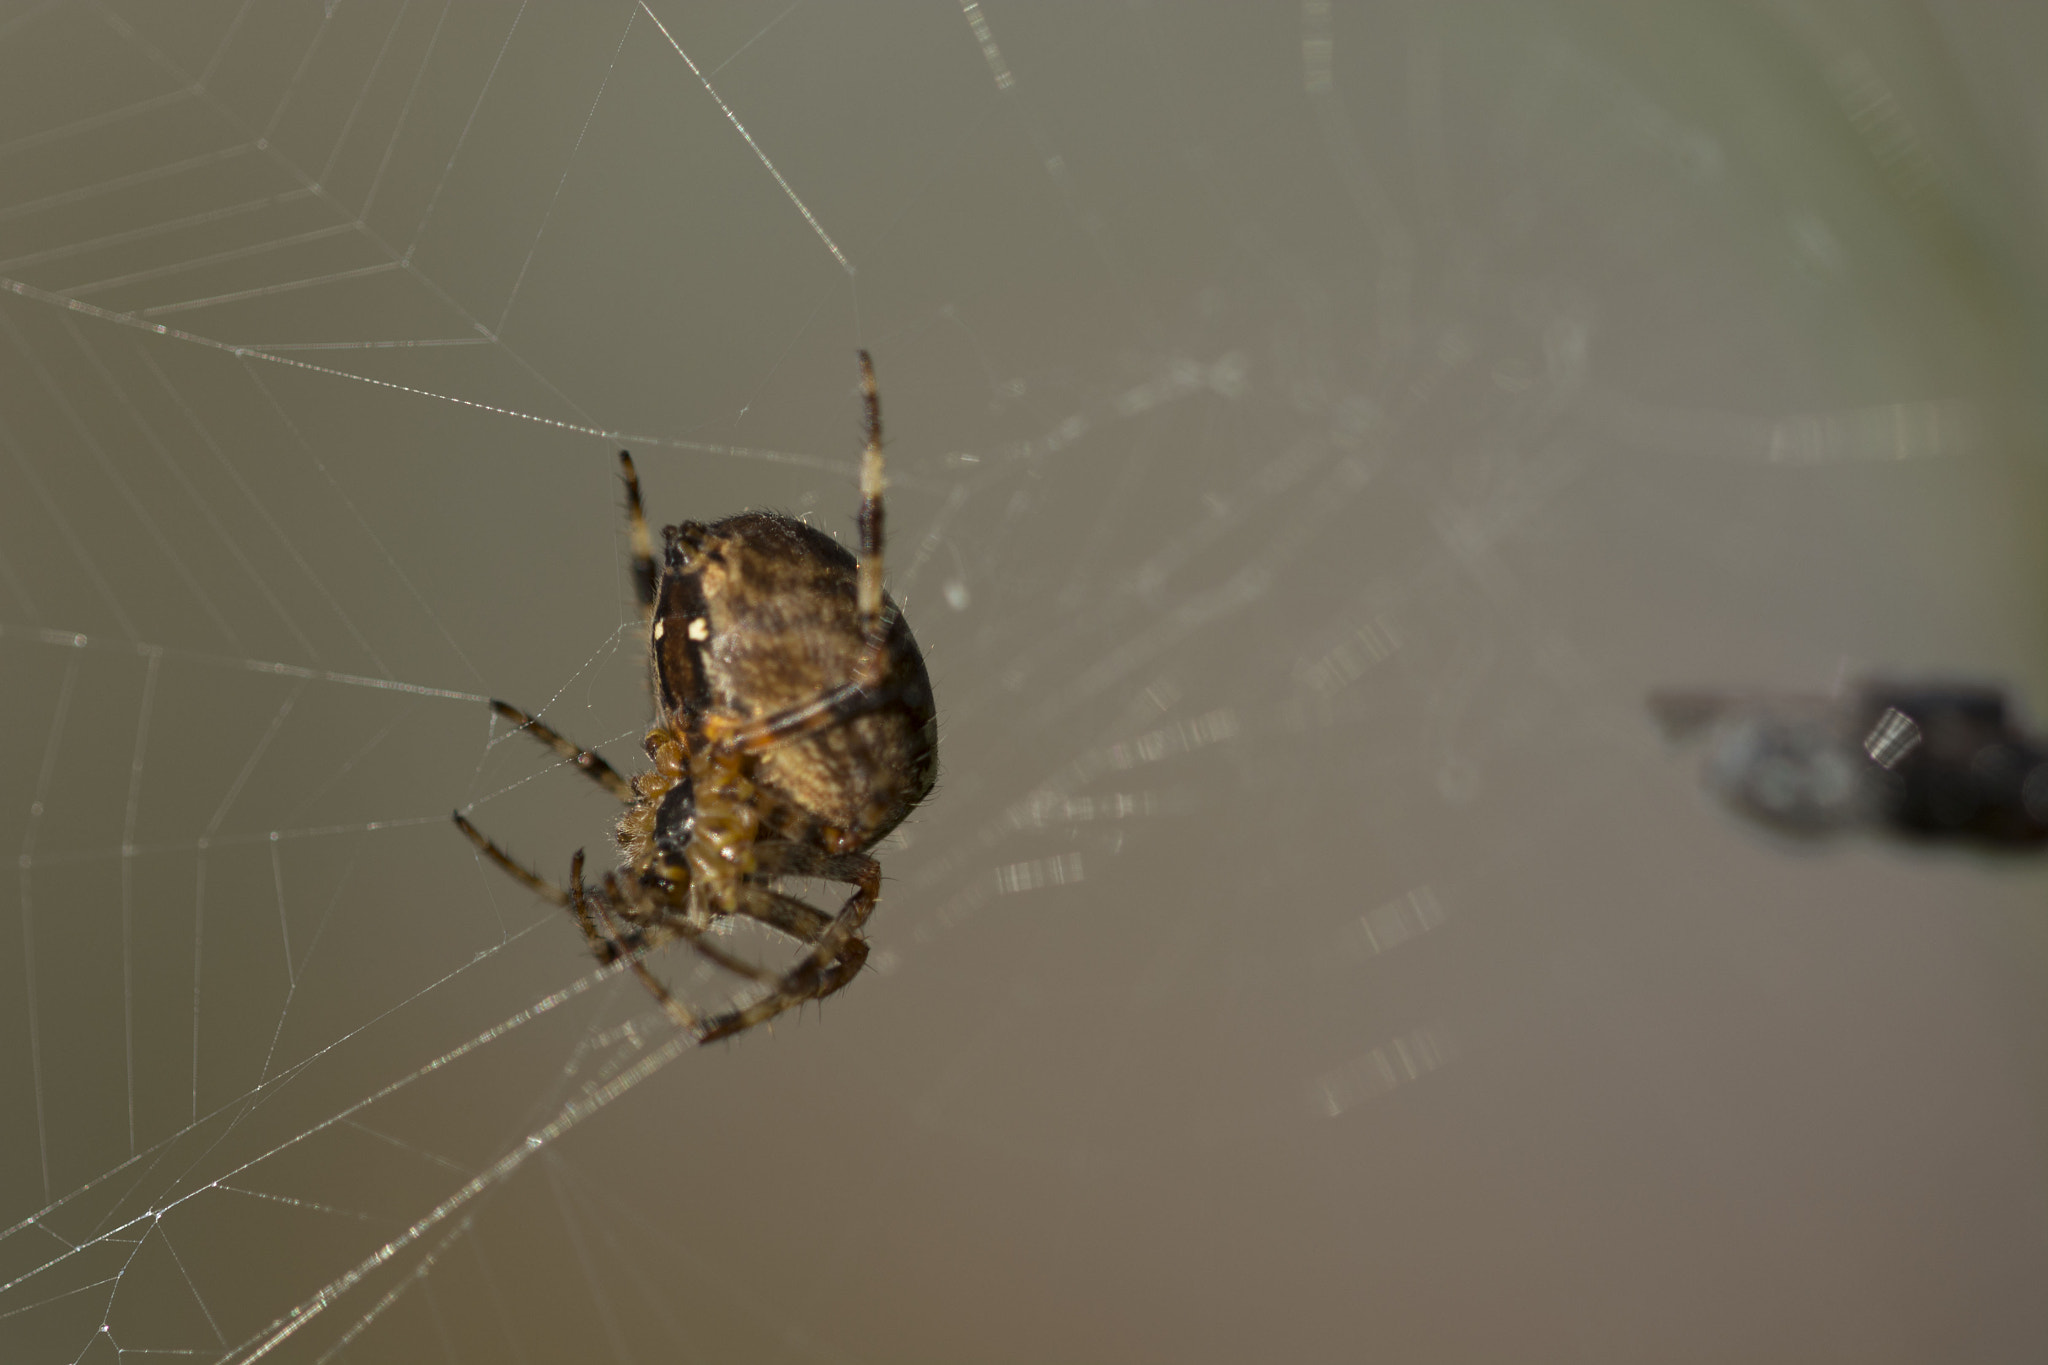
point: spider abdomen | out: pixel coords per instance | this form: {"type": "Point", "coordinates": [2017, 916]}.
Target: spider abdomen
{"type": "Point", "coordinates": [758, 614]}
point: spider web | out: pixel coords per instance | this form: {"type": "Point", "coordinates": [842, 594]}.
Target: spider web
{"type": "Point", "coordinates": [1310, 435]}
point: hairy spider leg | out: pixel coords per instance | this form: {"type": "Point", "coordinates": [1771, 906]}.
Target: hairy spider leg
{"type": "Point", "coordinates": [575, 900]}
{"type": "Point", "coordinates": [660, 924]}
{"type": "Point", "coordinates": [597, 933]}
{"type": "Point", "coordinates": [784, 914]}
{"type": "Point", "coordinates": [652, 920]}
{"type": "Point", "coordinates": [800, 987]}
{"type": "Point", "coordinates": [871, 485]}
{"type": "Point", "coordinates": [532, 880]}
{"type": "Point", "coordinates": [645, 571]}
{"type": "Point", "coordinates": [837, 951]}
{"type": "Point", "coordinates": [586, 760]}
{"type": "Point", "coordinates": [834, 959]}
{"type": "Point", "coordinates": [602, 916]}
{"type": "Point", "coordinates": [597, 922]}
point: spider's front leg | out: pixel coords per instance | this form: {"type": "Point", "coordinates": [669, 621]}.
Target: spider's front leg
{"type": "Point", "coordinates": [586, 761]}
{"type": "Point", "coordinates": [526, 876]}
{"type": "Point", "coordinates": [590, 918]}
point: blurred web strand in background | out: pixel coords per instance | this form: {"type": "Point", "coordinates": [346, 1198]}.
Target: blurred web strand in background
{"type": "Point", "coordinates": [276, 1068]}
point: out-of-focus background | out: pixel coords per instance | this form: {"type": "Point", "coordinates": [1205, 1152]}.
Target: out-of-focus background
{"type": "Point", "coordinates": [1313, 432]}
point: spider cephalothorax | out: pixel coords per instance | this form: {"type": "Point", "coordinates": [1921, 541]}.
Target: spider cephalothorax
{"type": "Point", "coordinates": [794, 729]}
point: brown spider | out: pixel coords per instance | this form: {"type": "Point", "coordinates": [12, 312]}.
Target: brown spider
{"type": "Point", "coordinates": [794, 728]}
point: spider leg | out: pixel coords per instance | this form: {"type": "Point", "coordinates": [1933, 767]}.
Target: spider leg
{"type": "Point", "coordinates": [659, 924]}
{"type": "Point", "coordinates": [645, 571]}
{"type": "Point", "coordinates": [871, 485]}
{"type": "Point", "coordinates": [585, 760]}
{"type": "Point", "coordinates": [807, 983]}
{"type": "Point", "coordinates": [593, 916]}
{"type": "Point", "coordinates": [843, 703]}
{"type": "Point", "coordinates": [784, 914]}
{"type": "Point", "coordinates": [603, 916]}
{"type": "Point", "coordinates": [675, 1009]}
{"type": "Point", "coordinates": [532, 880]}
{"type": "Point", "coordinates": [856, 697]}
{"type": "Point", "coordinates": [789, 858]}
{"type": "Point", "coordinates": [834, 959]}
{"type": "Point", "coordinates": [651, 923]}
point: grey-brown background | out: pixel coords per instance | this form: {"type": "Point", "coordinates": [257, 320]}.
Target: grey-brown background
{"type": "Point", "coordinates": [1313, 430]}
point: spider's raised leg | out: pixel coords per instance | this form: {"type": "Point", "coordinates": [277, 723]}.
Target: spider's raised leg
{"type": "Point", "coordinates": [869, 590]}
{"type": "Point", "coordinates": [856, 697]}
{"type": "Point", "coordinates": [588, 761]}
{"type": "Point", "coordinates": [645, 571]}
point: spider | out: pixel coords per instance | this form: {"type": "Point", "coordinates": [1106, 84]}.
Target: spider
{"type": "Point", "coordinates": [794, 728]}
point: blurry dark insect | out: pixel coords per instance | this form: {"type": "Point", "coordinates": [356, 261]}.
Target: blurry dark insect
{"type": "Point", "coordinates": [1937, 761]}
{"type": "Point", "coordinates": [794, 728]}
